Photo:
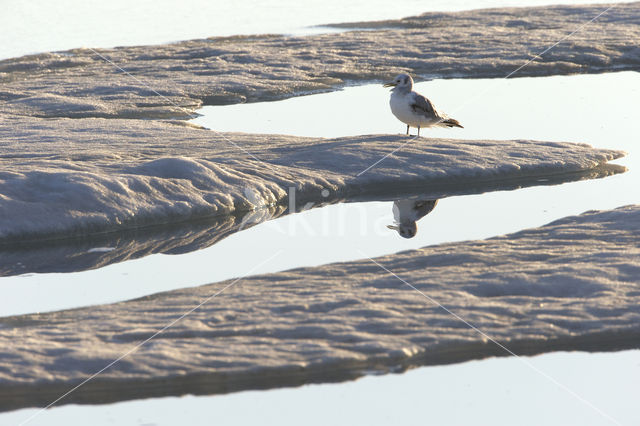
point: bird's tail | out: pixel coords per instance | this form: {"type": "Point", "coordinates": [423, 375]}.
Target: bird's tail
{"type": "Point", "coordinates": [452, 122]}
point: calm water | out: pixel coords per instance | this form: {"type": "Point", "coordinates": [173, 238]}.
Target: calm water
{"type": "Point", "coordinates": [496, 391]}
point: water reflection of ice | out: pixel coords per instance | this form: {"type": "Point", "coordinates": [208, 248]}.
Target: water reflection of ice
{"type": "Point", "coordinates": [495, 391]}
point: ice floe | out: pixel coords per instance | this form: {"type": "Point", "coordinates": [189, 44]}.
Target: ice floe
{"type": "Point", "coordinates": [568, 285]}
{"type": "Point", "coordinates": [63, 178]}
{"type": "Point", "coordinates": [174, 80]}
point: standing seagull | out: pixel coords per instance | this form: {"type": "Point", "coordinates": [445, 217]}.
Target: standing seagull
{"type": "Point", "coordinates": [412, 108]}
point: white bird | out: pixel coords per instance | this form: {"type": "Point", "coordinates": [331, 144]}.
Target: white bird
{"type": "Point", "coordinates": [407, 212]}
{"type": "Point", "coordinates": [413, 109]}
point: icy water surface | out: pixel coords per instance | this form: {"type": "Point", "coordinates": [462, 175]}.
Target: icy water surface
{"type": "Point", "coordinates": [496, 391]}
{"type": "Point", "coordinates": [596, 109]}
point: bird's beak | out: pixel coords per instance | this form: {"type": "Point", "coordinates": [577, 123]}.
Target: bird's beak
{"type": "Point", "coordinates": [394, 227]}
{"type": "Point", "coordinates": [392, 84]}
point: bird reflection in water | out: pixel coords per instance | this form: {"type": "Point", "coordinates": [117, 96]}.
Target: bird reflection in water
{"type": "Point", "coordinates": [407, 212]}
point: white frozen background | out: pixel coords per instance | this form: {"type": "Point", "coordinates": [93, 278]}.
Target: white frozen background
{"type": "Point", "coordinates": [31, 26]}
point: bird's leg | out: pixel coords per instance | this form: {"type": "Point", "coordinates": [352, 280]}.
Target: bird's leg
{"type": "Point", "coordinates": [407, 130]}
{"type": "Point", "coordinates": [418, 130]}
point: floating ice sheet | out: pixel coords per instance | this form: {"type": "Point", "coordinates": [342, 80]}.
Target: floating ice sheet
{"type": "Point", "coordinates": [478, 43]}
{"type": "Point", "coordinates": [571, 284]}
{"type": "Point", "coordinates": [75, 177]}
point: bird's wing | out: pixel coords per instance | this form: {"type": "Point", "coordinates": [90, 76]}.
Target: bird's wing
{"type": "Point", "coordinates": [424, 207]}
{"type": "Point", "coordinates": [423, 106]}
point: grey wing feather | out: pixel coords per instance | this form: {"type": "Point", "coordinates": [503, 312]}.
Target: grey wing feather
{"type": "Point", "coordinates": [423, 106]}
{"type": "Point", "coordinates": [424, 207]}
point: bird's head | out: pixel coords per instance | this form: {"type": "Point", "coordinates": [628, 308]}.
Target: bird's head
{"type": "Point", "coordinates": [402, 81]}
{"type": "Point", "coordinates": [406, 230]}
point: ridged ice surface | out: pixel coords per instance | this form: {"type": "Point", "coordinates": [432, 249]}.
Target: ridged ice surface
{"type": "Point", "coordinates": [70, 177]}
{"type": "Point", "coordinates": [568, 285]}
{"type": "Point", "coordinates": [484, 43]}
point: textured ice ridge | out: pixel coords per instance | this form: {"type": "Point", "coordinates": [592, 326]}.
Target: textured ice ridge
{"type": "Point", "coordinates": [478, 43]}
{"type": "Point", "coordinates": [65, 177]}
{"type": "Point", "coordinates": [572, 284]}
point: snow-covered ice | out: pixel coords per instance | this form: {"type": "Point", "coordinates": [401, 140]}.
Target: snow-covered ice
{"type": "Point", "coordinates": [568, 285]}
{"type": "Point", "coordinates": [189, 74]}
{"type": "Point", "coordinates": [77, 177]}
